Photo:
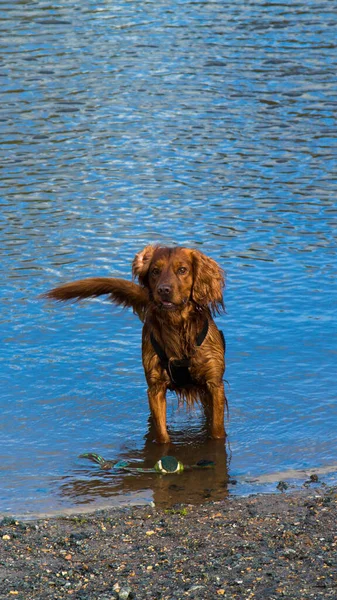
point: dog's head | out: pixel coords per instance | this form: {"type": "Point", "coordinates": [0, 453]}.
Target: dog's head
{"type": "Point", "coordinates": [175, 276]}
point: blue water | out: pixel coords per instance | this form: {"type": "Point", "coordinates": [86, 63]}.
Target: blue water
{"type": "Point", "coordinates": [205, 124]}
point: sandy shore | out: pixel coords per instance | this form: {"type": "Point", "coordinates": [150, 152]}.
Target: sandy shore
{"type": "Point", "coordinates": [263, 547]}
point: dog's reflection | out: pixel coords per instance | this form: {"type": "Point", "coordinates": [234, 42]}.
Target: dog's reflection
{"type": "Point", "coordinates": [193, 486]}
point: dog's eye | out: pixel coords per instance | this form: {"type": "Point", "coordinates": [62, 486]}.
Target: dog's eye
{"type": "Point", "coordinates": [182, 270]}
{"type": "Point", "coordinates": [155, 271]}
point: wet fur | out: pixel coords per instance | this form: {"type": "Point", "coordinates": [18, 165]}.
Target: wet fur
{"type": "Point", "coordinates": [178, 289]}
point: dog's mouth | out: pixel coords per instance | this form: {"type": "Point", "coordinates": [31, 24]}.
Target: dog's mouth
{"type": "Point", "coordinates": [166, 305]}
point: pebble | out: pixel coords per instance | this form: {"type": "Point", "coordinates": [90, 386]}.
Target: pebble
{"type": "Point", "coordinates": [196, 588]}
{"type": "Point", "coordinates": [124, 593]}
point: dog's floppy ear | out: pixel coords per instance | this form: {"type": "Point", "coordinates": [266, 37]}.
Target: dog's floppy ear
{"type": "Point", "coordinates": [141, 263]}
{"type": "Point", "coordinates": [208, 282]}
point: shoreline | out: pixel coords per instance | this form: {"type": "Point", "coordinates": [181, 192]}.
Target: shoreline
{"type": "Point", "coordinates": [290, 481]}
{"type": "Point", "coordinates": [263, 546]}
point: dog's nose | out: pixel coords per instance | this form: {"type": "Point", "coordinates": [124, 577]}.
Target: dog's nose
{"type": "Point", "coordinates": [164, 289]}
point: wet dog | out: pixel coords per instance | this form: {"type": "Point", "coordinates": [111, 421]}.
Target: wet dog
{"type": "Point", "coordinates": [179, 290]}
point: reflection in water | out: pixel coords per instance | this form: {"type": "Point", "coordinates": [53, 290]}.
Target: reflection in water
{"type": "Point", "coordinates": [191, 486]}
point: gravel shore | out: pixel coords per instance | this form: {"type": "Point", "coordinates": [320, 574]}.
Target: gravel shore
{"type": "Point", "coordinates": [263, 547]}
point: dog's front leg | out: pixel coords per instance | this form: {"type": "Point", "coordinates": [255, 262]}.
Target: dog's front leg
{"type": "Point", "coordinates": [157, 401]}
{"type": "Point", "coordinates": [217, 403]}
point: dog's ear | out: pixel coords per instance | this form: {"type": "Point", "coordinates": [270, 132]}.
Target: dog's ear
{"type": "Point", "coordinates": [141, 263]}
{"type": "Point", "coordinates": [208, 282]}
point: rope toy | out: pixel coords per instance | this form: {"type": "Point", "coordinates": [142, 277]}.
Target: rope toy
{"type": "Point", "coordinates": [164, 466]}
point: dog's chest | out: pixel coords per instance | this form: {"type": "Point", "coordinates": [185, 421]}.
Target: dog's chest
{"type": "Point", "coordinates": [176, 354]}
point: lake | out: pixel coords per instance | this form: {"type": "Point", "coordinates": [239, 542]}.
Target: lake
{"type": "Point", "coordinates": [205, 124]}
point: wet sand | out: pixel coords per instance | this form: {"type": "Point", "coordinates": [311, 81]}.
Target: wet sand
{"type": "Point", "coordinates": [265, 547]}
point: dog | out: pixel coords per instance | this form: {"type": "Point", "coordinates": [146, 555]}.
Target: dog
{"type": "Point", "coordinates": [179, 290]}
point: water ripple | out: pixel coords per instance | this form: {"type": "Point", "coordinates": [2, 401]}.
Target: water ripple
{"type": "Point", "coordinates": [197, 123]}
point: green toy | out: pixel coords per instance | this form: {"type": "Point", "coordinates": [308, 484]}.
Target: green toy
{"type": "Point", "coordinates": [164, 466]}
{"type": "Point", "coordinates": [169, 464]}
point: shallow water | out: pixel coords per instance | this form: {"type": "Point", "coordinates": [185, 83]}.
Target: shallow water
{"type": "Point", "coordinates": [204, 124]}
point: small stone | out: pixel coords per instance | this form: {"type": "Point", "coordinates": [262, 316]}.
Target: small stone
{"type": "Point", "coordinates": [196, 588]}
{"type": "Point", "coordinates": [6, 537]}
{"type": "Point", "coordinates": [290, 553]}
{"type": "Point", "coordinates": [124, 593]}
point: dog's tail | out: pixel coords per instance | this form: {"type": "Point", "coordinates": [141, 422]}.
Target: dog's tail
{"type": "Point", "coordinates": [122, 292]}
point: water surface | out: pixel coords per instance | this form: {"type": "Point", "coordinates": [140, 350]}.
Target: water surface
{"type": "Point", "coordinates": [205, 124]}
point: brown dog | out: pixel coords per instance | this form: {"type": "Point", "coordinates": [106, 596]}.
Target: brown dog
{"type": "Point", "coordinates": [183, 350]}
